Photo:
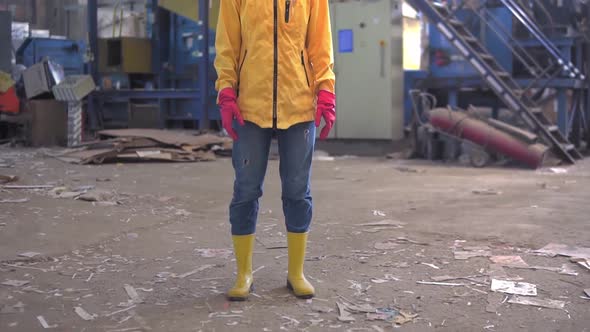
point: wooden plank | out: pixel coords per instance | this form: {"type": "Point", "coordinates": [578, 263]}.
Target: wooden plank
{"type": "Point", "coordinates": [168, 137]}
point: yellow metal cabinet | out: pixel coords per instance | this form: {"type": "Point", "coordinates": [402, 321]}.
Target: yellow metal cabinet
{"type": "Point", "coordinates": [125, 55]}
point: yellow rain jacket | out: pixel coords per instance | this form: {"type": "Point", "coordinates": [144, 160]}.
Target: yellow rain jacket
{"type": "Point", "coordinates": [276, 54]}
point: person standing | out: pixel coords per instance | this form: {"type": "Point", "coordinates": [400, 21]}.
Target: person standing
{"type": "Point", "coordinates": [274, 62]}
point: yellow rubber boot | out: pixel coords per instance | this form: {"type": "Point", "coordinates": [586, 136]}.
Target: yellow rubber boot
{"type": "Point", "coordinates": [296, 282]}
{"type": "Point", "coordinates": [243, 248]}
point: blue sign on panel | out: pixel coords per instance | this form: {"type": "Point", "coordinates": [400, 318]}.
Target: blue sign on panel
{"type": "Point", "coordinates": [345, 41]}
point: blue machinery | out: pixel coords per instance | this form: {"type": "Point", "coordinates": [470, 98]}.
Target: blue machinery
{"type": "Point", "coordinates": [68, 53]}
{"type": "Point", "coordinates": [502, 47]}
{"type": "Point", "coordinates": [180, 84]}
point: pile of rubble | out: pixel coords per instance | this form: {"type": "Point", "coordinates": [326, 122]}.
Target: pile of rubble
{"type": "Point", "coordinates": [147, 145]}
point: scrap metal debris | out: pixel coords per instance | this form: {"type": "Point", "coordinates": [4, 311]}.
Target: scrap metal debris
{"type": "Point", "coordinates": [15, 283]}
{"type": "Point", "coordinates": [14, 201]}
{"type": "Point", "coordinates": [133, 295]}
{"type": "Point", "coordinates": [384, 223]}
{"type": "Point", "coordinates": [474, 279]}
{"type": "Point", "coordinates": [434, 283]}
{"type": "Point", "coordinates": [358, 287]}
{"type": "Point", "coordinates": [146, 145]}
{"type": "Point", "coordinates": [402, 239]}
{"type": "Point", "coordinates": [431, 265]}
{"type": "Point", "coordinates": [96, 195]}
{"type": "Point", "coordinates": [44, 323]}
{"type": "Point", "coordinates": [564, 269]}
{"type": "Point", "coordinates": [195, 271]}
{"type": "Point", "coordinates": [120, 311]}
{"type": "Point", "coordinates": [378, 213]}
{"type": "Point", "coordinates": [403, 169]}
{"type": "Point", "coordinates": [83, 314]}
{"type": "Point", "coordinates": [27, 187]}
{"type": "Point", "coordinates": [8, 178]}
{"type": "Point", "coordinates": [556, 249]}
{"type": "Point", "coordinates": [544, 303]}
{"type": "Point", "coordinates": [387, 278]}
{"type": "Point", "coordinates": [215, 253]}
{"type": "Point", "coordinates": [385, 314]}
{"type": "Point", "coordinates": [517, 262]}
{"type": "Point", "coordinates": [583, 262]}
{"type": "Point", "coordinates": [512, 287]}
{"type": "Point", "coordinates": [404, 317]}
{"type": "Point", "coordinates": [343, 314]}
{"type": "Point", "coordinates": [509, 261]}
{"type": "Point", "coordinates": [557, 170]}
{"type": "Point", "coordinates": [486, 192]}
{"type": "Point", "coordinates": [29, 254]}
{"type": "Point", "coordinates": [465, 253]}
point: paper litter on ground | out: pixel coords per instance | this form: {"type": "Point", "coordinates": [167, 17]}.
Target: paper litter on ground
{"type": "Point", "coordinates": [29, 254]}
{"type": "Point", "coordinates": [512, 287]}
{"type": "Point", "coordinates": [14, 201]}
{"type": "Point", "coordinates": [556, 249]}
{"type": "Point", "coordinates": [15, 283]}
{"type": "Point", "coordinates": [384, 223]}
{"type": "Point", "coordinates": [509, 261]}
{"type": "Point", "coordinates": [465, 254]}
{"type": "Point", "coordinates": [583, 262]}
{"type": "Point", "coordinates": [83, 313]}
{"type": "Point", "coordinates": [132, 293]}
{"type": "Point", "coordinates": [44, 323]}
{"type": "Point", "coordinates": [343, 314]}
{"type": "Point", "coordinates": [544, 303]}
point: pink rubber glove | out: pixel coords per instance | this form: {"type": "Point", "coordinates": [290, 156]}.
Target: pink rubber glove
{"type": "Point", "coordinates": [326, 108]}
{"type": "Point", "coordinates": [228, 107]}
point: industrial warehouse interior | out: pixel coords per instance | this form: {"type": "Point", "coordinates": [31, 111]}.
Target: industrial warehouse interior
{"type": "Point", "coordinates": [160, 161]}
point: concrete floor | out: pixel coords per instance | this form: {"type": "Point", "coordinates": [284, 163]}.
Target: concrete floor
{"type": "Point", "coordinates": [167, 212]}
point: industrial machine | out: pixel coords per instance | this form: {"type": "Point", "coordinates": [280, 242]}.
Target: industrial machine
{"type": "Point", "coordinates": [177, 87]}
{"type": "Point", "coordinates": [531, 60]}
{"type": "Point", "coordinates": [66, 52]}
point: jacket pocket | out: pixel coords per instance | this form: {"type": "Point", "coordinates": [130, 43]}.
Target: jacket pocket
{"type": "Point", "coordinates": [304, 69]}
{"type": "Point", "coordinates": [287, 10]}
{"type": "Point", "coordinates": [291, 16]}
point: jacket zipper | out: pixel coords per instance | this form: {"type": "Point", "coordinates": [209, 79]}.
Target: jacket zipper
{"type": "Point", "coordinates": [304, 68]}
{"type": "Point", "coordinates": [276, 66]}
{"type": "Point", "coordinates": [287, 10]}
{"type": "Point", "coordinates": [240, 71]}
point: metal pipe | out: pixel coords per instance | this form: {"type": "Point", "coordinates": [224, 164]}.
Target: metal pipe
{"type": "Point", "coordinates": [93, 37]}
{"type": "Point", "coordinates": [92, 19]}
{"type": "Point", "coordinates": [462, 126]}
{"type": "Point", "coordinates": [203, 73]}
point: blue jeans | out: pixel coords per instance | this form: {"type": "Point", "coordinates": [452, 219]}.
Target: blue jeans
{"type": "Point", "coordinates": [250, 158]}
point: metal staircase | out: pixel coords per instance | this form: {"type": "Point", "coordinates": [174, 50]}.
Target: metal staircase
{"type": "Point", "coordinates": [568, 68]}
{"type": "Point", "coordinates": [500, 81]}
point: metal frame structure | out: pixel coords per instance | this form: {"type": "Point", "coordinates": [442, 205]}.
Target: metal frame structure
{"type": "Point", "coordinates": [562, 75]}
{"type": "Point", "coordinates": [162, 93]}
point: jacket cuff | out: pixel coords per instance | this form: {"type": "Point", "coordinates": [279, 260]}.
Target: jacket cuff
{"type": "Point", "coordinates": [327, 85]}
